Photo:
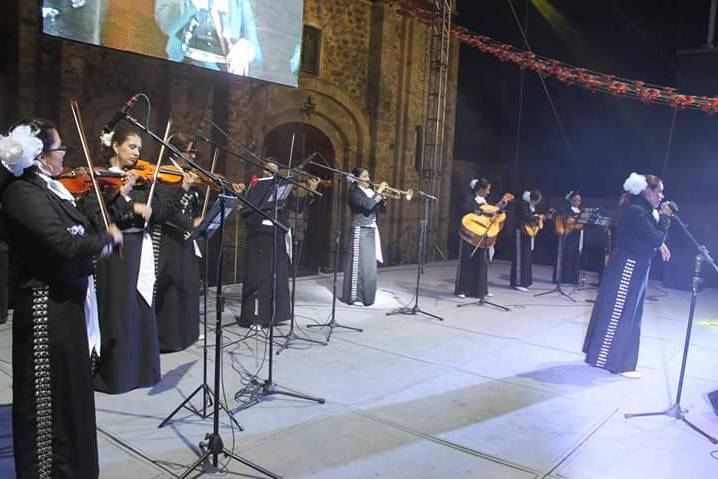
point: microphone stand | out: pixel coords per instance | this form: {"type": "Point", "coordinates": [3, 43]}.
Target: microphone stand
{"type": "Point", "coordinates": [214, 446]}
{"type": "Point", "coordinates": [559, 271]}
{"type": "Point", "coordinates": [420, 260]}
{"type": "Point", "coordinates": [261, 390]}
{"type": "Point", "coordinates": [333, 323]}
{"type": "Point", "coordinates": [292, 336]}
{"type": "Point", "coordinates": [676, 411]}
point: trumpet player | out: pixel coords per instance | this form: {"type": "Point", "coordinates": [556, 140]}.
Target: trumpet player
{"type": "Point", "coordinates": [364, 242]}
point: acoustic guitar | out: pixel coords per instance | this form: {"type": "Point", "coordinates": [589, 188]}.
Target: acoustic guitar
{"type": "Point", "coordinates": [564, 225]}
{"type": "Point", "coordinates": [533, 229]}
{"type": "Point", "coordinates": [482, 229]}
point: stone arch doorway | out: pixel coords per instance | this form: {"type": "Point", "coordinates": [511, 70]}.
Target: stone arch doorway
{"type": "Point", "coordinates": [316, 239]}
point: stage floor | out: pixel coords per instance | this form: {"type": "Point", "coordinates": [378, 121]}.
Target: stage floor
{"type": "Point", "coordinates": [484, 394]}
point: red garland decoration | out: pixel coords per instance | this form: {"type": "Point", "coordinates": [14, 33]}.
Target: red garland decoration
{"type": "Point", "coordinates": [549, 68]}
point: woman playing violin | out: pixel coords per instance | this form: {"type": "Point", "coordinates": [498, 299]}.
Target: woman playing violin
{"type": "Point", "coordinates": [54, 330]}
{"type": "Point", "coordinates": [177, 299]}
{"type": "Point", "coordinates": [125, 283]}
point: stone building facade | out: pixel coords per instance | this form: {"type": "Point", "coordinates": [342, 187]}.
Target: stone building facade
{"type": "Point", "coordinates": [361, 108]}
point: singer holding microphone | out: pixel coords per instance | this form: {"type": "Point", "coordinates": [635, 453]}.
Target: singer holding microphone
{"type": "Point", "coordinates": [614, 331]}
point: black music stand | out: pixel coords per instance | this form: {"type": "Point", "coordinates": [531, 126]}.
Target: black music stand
{"type": "Point", "coordinates": [205, 230]}
{"type": "Point", "coordinates": [591, 217]}
{"type": "Point", "coordinates": [559, 270]}
{"type": "Point", "coordinates": [272, 192]}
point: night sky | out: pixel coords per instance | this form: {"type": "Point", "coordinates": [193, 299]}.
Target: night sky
{"type": "Point", "coordinates": [605, 138]}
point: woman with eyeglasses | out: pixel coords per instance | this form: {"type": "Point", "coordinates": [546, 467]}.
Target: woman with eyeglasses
{"type": "Point", "coordinates": [55, 331]}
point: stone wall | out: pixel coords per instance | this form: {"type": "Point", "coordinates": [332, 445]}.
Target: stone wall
{"type": "Point", "coordinates": [368, 98]}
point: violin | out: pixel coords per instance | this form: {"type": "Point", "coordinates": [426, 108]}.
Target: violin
{"type": "Point", "coordinates": [78, 181]}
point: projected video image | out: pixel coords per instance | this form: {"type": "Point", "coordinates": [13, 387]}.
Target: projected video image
{"type": "Point", "coordinates": [255, 38]}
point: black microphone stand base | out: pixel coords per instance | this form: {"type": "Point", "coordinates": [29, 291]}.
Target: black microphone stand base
{"type": "Point", "coordinates": [262, 390]}
{"type": "Point", "coordinates": [676, 412]}
{"type": "Point", "coordinates": [483, 302]}
{"type": "Point", "coordinates": [558, 290]}
{"type": "Point", "coordinates": [291, 337]}
{"type": "Point", "coordinates": [332, 325]}
{"type": "Point", "coordinates": [214, 447]}
{"type": "Point", "coordinates": [413, 311]}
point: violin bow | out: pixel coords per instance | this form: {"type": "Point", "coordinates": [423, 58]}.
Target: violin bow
{"type": "Point", "coordinates": [215, 156]}
{"type": "Point", "coordinates": [75, 107]}
{"type": "Point", "coordinates": [157, 169]}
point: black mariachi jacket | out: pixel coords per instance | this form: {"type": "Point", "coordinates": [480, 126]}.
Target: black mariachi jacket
{"type": "Point", "coordinates": [52, 241]}
{"type": "Point", "coordinates": [638, 233]}
{"type": "Point", "coordinates": [364, 209]}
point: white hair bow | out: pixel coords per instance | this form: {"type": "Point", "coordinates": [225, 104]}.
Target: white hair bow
{"type": "Point", "coordinates": [635, 184]}
{"type": "Point", "coordinates": [19, 149]}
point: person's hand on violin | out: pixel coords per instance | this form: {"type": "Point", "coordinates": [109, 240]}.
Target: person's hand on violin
{"type": "Point", "coordinates": [142, 210]}
{"type": "Point", "coordinates": [189, 178]}
{"type": "Point", "coordinates": [128, 182]}
{"type": "Point", "coordinates": [239, 187]}
{"type": "Point", "coordinates": [197, 221]}
{"type": "Point", "coordinates": [313, 183]}
{"type": "Point", "coordinates": [116, 234]}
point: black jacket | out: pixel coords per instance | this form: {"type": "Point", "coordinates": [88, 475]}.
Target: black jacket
{"type": "Point", "coordinates": [638, 233]}
{"type": "Point", "coordinates": [364, 209]}
{"type": "Point", "coordinates": [51, 240]}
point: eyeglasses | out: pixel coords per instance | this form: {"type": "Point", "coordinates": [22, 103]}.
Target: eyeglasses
{"type": "Point", "coordinates": [62, 148]}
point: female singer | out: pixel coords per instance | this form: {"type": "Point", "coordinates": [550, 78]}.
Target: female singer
{"type": "Point", "coordinates": [257, 290]}
{"type": "Point", "coordinates": [523, 244]}
{"type": "Point", "coordinates": [572, 242]}
{"type": "Point", "coordinates": [614, 331]}
{"type": "Point", "coordinates": [125, 283]}
{"type": "Point", "coordinates": [177, 298]}
{"type": "Point", "coordinates": [473, 268]}
{"type": "Point", "coordinates": [55, 332]}
{"type": "Point", "coordinates": [361, 263]}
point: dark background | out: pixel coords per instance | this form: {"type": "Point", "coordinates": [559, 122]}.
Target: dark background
{"type": "Point", "coordinates": [603, 138]}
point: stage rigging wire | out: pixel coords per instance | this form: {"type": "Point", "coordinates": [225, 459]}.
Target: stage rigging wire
{"type": "Point", "coordinates": [576, 163]}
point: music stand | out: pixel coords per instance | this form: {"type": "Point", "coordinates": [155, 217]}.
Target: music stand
{"type": "Point", "coordinates": [559, 271]}
{"type": "Point", "coordinates": [591, 217]}
{"type": "Point", "coordinates": [205, 230]}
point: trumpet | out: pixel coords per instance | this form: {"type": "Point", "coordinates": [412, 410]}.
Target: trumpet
{"type": "Point", "coordinates": [398, 194]}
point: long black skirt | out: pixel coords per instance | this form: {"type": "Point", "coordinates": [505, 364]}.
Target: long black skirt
{"type": "Point", "coordinates": [472, 272]}
{"type": "Point", "coordinates": [258, 282]}
{"type": "Point", "coordinates": [53, 414]}
{"type": "Point", "coordinates": [571, 258]}
{"type": "Point", "coordinates": [177, 295]}
{"type": "Point", "coordinates": [614, 331]}
{"type": "Point", "coordinates": [360, 269]}
{"type": "Point", "coordinates": [521, 260]}
{"type": "Point", "coordinates": [130, 356]}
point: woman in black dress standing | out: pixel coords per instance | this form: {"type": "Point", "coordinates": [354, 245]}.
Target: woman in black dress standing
{"type": "Point", "coordinates": [125, 283]}
{"type": "Point", "coordinates": [525, 214]}
{"type": "Point", "coordinates": [177, 297]}
{"type": "Point", "coordinates": [55, 316]}
{"type": "Point", "coordinates": [614, 331]}
{"type": "Point", "coordinates": [365, 246]}
{"type": "Point", "coordinates": [473, 268]}
{"type": "Point", "coordinates": [572, 241]}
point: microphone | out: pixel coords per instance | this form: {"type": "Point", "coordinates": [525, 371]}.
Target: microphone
{"type": "Point", "coordinates": [672, 205]}
{"type": "Point", "coordinates": [119, 116]}
{"type": "Point", "coordinates": [306, 160]}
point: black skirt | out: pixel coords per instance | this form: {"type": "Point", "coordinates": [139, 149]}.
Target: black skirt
{"type": "Point", "coordinates": [360, 269]}
{"type": "Point", "coordinates": [257, 289]}
{"type": "Point", "coordinates": [130, 356]}
{"type": "Point", "coordinates": [53, 402]}
{"type": "Point", "coordinates": [472, 271]}
{"type": "Point", "coordinates": [614, 331]}
{"type": "Point", "coordinates": [177, 293]}
{"type": "Point", "coordinates": [521, 260]}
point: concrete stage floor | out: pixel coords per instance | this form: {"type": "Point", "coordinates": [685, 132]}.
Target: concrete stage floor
{"type": "Point", "coordinates": [484, 394]}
